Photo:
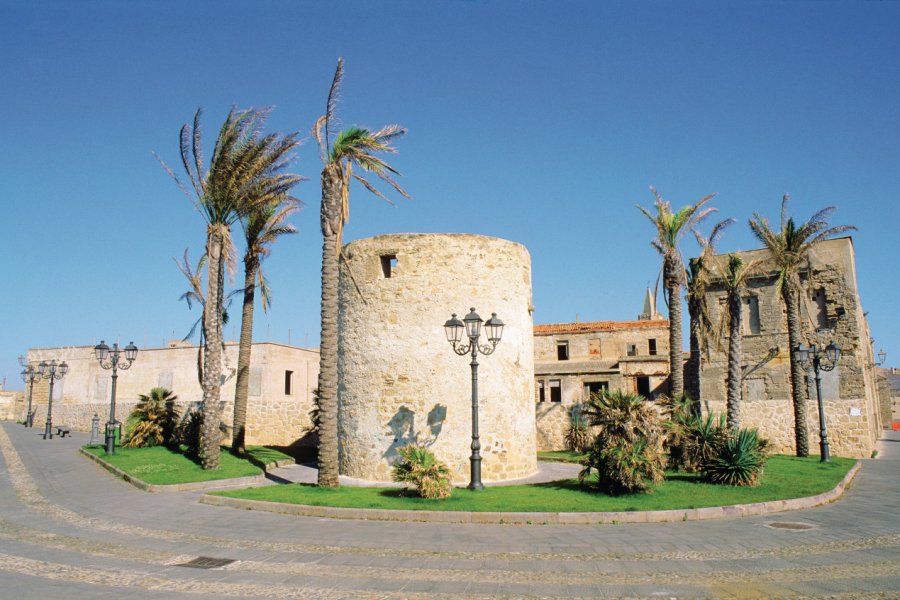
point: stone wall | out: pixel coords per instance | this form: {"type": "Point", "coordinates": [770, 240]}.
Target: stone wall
{"type": "Point", "coordinates": [830, 311]}
{"type": "Point", "coordinates": [277, 414]}
{"type": "Point", "coordinates": [11, 406]}
{"type": "Point", "coordinates": [400, 379]}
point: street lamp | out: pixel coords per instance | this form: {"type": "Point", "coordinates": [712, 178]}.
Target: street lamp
{"type": "Point", "coordinates": [30, 374]}
{"type": "Point", "coordinates": [471, 323]}
{"type": "Point", "coordinates": [813, 357]}
{"type": "Point", "coordinates": [112, 359]}
{"type": "Point", "coordinates": [882, 356]}
{"type": "Point", "coordinates": [52, 371]}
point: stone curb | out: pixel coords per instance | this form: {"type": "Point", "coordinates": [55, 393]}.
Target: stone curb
{"type": "Point", "coordinates": [541, 518]}
{"type": "Point", "coordinates": [175, 487]}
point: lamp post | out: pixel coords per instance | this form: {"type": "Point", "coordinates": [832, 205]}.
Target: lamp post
{"type": "Point", "coordinates": [111, 358]}
{"type": "Point", "coordinates": [52, 371]}
{"type": "Point", "coordinates": [29, 374]}
{"type": "Point", "coordinates": [812, 356]}
{"type": "Point", "coordinates": [882, 356]}
{"type": "Point", "coordinates": [454, 330]}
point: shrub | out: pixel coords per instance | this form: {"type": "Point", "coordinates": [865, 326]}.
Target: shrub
{"type": "Point", "coordinates": [154, 419]}
{"type": "Point", "coordinates": [419, 466]}
{"type": "Point", "coordinates": [628, 452]}
{"type": "Point", "coordinates": [739, 461]}
{"type": "Point", "coordinates": [578, 436]}
{"type": "Point", "coordinates": [695, 440]}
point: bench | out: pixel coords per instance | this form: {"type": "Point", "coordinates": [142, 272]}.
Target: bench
{"type": "Point", "coordinates": [63, 431]}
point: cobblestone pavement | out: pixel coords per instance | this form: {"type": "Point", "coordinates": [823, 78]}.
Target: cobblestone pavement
{"type": "Point", "coordinates": [68, 528]}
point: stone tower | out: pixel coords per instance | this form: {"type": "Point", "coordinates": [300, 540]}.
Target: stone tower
{"type": "Point", "coordinates": [400, 379]}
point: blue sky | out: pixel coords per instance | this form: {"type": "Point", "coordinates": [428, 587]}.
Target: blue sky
{"type": "Point", "coordinates": [539, 122]}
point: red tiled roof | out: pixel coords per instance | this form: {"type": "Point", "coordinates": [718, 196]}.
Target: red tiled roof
{"type": "Point", "coordinates": [589, 326]}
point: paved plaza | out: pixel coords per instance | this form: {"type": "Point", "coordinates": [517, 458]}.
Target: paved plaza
{"type": "Point", "coordinates": [68, 529]}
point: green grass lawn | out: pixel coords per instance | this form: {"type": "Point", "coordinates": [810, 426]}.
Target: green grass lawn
{"type": "Point", "coordinates": [569, 456]}
{"type": "Point", "coordinates": [784, 477]}
{"type": "Point", "coordinates": [267, 455]}
{"type": "Point", "coordinates": [161, 466]}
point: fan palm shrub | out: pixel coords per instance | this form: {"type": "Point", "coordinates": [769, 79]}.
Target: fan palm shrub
{"type": "Point", "coordinates": [578, 435]}
{"type": "Point", "coordinates": [739, 460]}
{"type": "Point", "coordinates": [154, 418]}
{"type": "Point", "coordinates": [628, 452]}
{"type": "Point", "coordinates": [696, 440]}
{"type": "Point", "coordinates": [419, 466]}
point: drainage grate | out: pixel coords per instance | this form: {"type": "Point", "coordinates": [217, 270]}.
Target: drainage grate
{"type": "Point", "coordinates": [789, 526]}
{"type": "Point", "coordinates": [206, 562]}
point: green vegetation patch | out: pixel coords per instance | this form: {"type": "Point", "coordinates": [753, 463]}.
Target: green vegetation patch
{"type": "Point", "coordinates": [267, 455]}
{"type": "Point", "coordinates": [784, 477]}
{"type": "Point", "coordinates": [162, 466]}
{"type": "Point", "coordinates": [568, 456]}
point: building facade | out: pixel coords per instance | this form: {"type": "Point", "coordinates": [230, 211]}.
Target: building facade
{"type": "Point", "coordinates": [282, 379]}
{"type": "Point", "coordinates": [572, 360]}
{"type": "Point", "coordinates": [830, 312]}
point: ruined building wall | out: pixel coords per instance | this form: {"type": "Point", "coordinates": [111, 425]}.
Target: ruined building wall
{"type": "Point", "coordinates": [399, 378]}
{"type": "Point", "coordinates": [830, 311]}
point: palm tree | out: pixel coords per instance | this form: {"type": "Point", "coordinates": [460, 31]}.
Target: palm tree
{"type": "Point", "coordinates": [790, 248]}
{"type": "Point", "coordinates": [262, 226]}
{"type": "Point", "coordinates": [696, 282]}
{"type": "Point", "coordinates": [734, 274]}
{"type": "Point", "coordinates": [339, 152]}
{"type": "Point", "coordinates": [670, 227]}
{"type": "Point", "coordinates": [245, 171]}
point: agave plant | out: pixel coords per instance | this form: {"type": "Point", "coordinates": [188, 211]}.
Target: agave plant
{"type": "Point", "coordinates": [739, 461]}
{"type": "Point", "coordinates": [155, 416]}
{"type": "Point", "coordinates": [419, 466]}
{"type": "Point", "coordinates": [578, 435]}
{"type": "Point", "coordinates": [700, 439]}
{"type": "Point", "coordinates": [628, 452]}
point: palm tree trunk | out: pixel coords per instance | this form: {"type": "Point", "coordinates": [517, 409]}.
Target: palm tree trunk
{"type": "Point", "coordinates": [676, 362]}
{"type": "Point", "coordinates": [790, 292]}
{"type": "Point", "coordinates": [212, 356]}
{"type": "Point", "coordinates": [242, 383]}
{"type": "Point", "coordinates": [328, 375]}
{"type": "Point", "coordinates": [733, 400]}
{"type": "Point", "coordinates": [692, 385]}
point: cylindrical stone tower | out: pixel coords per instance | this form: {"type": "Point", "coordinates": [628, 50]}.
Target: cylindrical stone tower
{"type": "Point", "coordinates": [400, 380]}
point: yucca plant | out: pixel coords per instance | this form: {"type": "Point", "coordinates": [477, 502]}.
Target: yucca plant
{"type": "Point", "coordinates": [578, 435]}
{"type": "Point", "coordinates": [628, 452]}
{"type": "Point", "coordinates": [155, 418]}
{"type": "Point", "coordinates": [419, 466]}
{"type": "Point", "coordinates": [739, 461]}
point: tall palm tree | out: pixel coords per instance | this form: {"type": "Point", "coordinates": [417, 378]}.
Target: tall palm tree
{"type": "Point", "coordinates": [734, 274]}
{"type": "Point", "coordinates": [262, 226]}
{"type": "Point", "coordinates": [790, 248]}
{"type": "Point", "coordinates": [696, 282]}
{"type": "Point", "coordinates": [245, 171]}
{"type": "Point", "coordinates": [340, 152]}
{"type": "Point", "coordinates": [670, 227]}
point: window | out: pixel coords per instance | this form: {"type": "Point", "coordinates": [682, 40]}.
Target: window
{"type": "Point", "coordinates": [541, 396]}
{"type": "Point", "coordinates": [594, 387]}
{"type": "Point", "coordinates": [651, 347]}
{"type": "Point", "coordinates": [750, 316]}
{"type": "Point", "coordinates": [555, 390]}
{"type": "Point", "coordinates": [632, 349]}
{"type": "Point", "coordinates": [288, 382]}
{"type": "Point", "coordinates": [820, 314]}
{"type": "Point", "coordinates": [388, 264]}
{"type": "Point", "coordinates": [562, 350]}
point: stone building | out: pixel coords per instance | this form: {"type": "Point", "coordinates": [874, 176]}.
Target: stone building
{"type": "Point", "coordinates": [280, 396]}
{"type": "Point", "coordinates": [572, 360]}
{"type": "Point", "coordinates": [830, 311]}
{"type": "Point", "coordinates": [400, 380]}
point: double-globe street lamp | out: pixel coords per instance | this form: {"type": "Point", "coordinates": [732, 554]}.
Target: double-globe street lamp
{"type": "Point", "coordinates": [813, 357]}
{"type": "Point", "coordinates": [471, 323]}
{"type": "Point", "coordinates": [52, 371]}
{"type": "Point", "coordinates": [111, 358]}
{"type": "Point", "coordinates": [29, 374]}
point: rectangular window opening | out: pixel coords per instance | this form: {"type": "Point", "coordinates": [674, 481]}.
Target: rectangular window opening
{"type": "Point", "coordinates": [388, 264]}
{"type": "Point", "coordinates": [643, 386]}
{"type": "Point", "coordinates": [288, 382]}
{"type": "Point", "coordinates": [562, 350]}
{"type": "Point", "coordinates": [541, 397]}
{"type": "Point", "coordinates": [651, 347]}
{"type": "Point", "coordinates": [555, 390]}
{"type": "Point", "coordinates": [594, 387]}
{"type": "Point", "coordinates": [751, 324]}
{"type": "Point", "coordinates": [632, 349]}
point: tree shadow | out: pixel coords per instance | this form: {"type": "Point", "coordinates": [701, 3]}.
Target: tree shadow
{"type": "Point", "coordinates": [403, 432]}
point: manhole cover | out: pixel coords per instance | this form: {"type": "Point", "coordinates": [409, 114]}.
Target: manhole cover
{"type": "Point", "coordinates": [790, 526]}
{"type": "Point", "coordinates": [206, 562]}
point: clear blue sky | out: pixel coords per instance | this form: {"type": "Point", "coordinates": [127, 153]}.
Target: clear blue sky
{"type": "Point", "coordinates": [539, 122]}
